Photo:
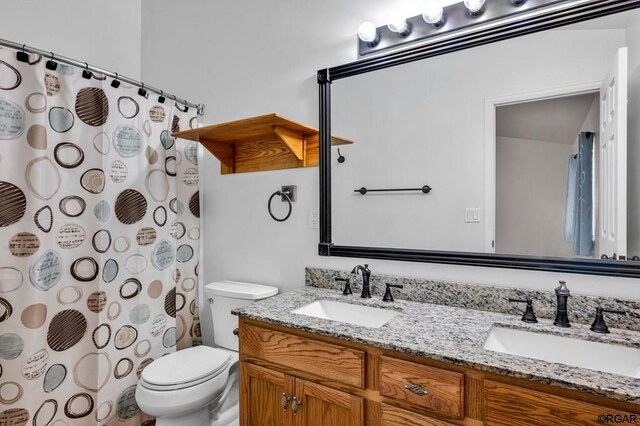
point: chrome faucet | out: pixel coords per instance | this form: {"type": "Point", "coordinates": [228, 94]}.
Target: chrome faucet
{"type": "Point", "coordinates": [366, 274]}
{"type": "Point", "coordinates": [562, 294]}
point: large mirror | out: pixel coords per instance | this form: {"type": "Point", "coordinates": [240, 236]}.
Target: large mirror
{"type": "Point", "coordinates": [527, 146]}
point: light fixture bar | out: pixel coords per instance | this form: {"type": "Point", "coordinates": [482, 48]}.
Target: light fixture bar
{"type": "Point", "coordinates": [457, 17]}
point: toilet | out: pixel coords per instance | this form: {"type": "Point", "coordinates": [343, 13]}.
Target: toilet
{"type": "Point", "coordinates": [198, 386]}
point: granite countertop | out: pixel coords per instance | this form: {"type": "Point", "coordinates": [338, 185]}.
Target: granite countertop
{"type": "Point", "coordinates": [453, 335]}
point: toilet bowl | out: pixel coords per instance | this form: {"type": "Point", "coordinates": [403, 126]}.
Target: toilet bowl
{"type": "Point", "coordinates": [198, 386]}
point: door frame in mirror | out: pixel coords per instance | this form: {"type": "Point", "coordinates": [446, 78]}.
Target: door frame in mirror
{"type": "Point", "coordinates": [556, 15]}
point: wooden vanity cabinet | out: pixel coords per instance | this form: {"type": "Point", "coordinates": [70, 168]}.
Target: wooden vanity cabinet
{"type": "Point", "coordinates": [267, 399]}
{"type": "Point", "coordinates": [336, 383]}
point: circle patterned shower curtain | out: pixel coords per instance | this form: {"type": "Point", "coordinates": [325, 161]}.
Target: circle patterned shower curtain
{"type": "Point", "coordinates": [99, 243]}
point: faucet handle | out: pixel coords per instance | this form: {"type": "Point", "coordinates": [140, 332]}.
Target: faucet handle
{"type": "Point", "coordinates": [347, 286]}
{"type": "Point", "coordinates": [528, 316]}
{"type": "Point", "coordinates": [599, 326]}
{"type": "Point", "coordinates": [388, 297]}
{"type": "Point", "coordinates": [562, 289]}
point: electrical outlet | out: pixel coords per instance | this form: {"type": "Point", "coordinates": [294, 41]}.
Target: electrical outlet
{"type": "Point", "coordinates": [472, 215]}
{"type": "Point", "coordinates": [314, 218]}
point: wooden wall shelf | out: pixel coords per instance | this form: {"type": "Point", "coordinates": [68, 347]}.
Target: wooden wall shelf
{"type": "Point", "coordinates": [266, 142]}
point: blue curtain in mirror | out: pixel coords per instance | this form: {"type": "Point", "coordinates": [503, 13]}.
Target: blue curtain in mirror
{"type": "Point", "coordinates": [578, 228]}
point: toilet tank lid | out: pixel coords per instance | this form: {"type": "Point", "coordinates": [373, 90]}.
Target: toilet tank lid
{"type": "Point", "coordinates": [240, 290]}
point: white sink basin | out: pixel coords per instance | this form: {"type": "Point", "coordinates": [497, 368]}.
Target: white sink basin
{"type": "Point", "coordinates": [364, 316]}
{"type": "Point", "coordinates": [605, 357]}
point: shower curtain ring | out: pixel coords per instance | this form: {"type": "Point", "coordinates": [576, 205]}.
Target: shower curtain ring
{"type": "Point", "coordinates": [115, 83]}
{"type": "Point", "coordinates": [142, 91]}
{"type": "Point", "coordinates": [21, 55]}
{"type": "Point", "coordinates": [86, 73]}
{"type": "Point", "coordinates": [51, 63]}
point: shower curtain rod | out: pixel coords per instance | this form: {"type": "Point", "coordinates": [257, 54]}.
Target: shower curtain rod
{"type": "Point", "coordinates": [84, 65]}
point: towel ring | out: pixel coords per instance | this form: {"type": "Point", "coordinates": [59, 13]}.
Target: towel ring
{"type": "Point", "coordinates": [284, 194]}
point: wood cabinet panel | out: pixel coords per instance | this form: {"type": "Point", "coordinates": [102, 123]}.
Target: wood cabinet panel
{"type": "Point", "coordinates": [444, 389]}
{"type": "Point", "coordinates": [321, 359]}
{"type": "Point", "coordinates": [508, 405]}
{"type": "Point", "coordinates": [261, 392]}
{"type": "Point", "coordinates": [322, 406]}
{"type": "Point", "coordinates": [394, 416]}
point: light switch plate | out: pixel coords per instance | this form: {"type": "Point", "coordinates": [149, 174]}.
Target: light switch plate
{"type": "Point", "coordinates": [472, 215]}
{"type": "Point", "coordinates": [314, 218]}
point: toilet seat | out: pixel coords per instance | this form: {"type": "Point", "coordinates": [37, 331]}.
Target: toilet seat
{"type": "Point", "coordinates": [184, 369]}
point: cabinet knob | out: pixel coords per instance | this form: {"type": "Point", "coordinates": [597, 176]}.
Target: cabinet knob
{"type": "Point", "coordinates": [417, 389]}
{"type": "Point", "coordinates": [284, 401]}
{"type": "Point", "coordinates": [295, 405]}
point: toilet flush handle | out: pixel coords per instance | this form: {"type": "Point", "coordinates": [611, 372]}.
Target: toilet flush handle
{"type": "Point", "coordinates": [211, 300]}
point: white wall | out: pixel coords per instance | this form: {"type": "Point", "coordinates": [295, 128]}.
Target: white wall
{"type": "Point", "coordinates": [246, 57]}
{"type": "Point", "coordinates": [105, 33]}
{"type": "Point", "coordinates": [531, 191]}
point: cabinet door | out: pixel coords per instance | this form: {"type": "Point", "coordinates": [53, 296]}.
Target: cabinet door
{"type": "Point", "coordinates": [261, 396]}
{"type": "Point", "coordinates": [508, 405]}
{"type": "Point", "coordinates": [394, 416]}
{"type": "Point", "coordinates": [320, 406]}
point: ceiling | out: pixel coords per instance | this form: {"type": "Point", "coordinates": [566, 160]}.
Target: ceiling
{"type": "Point", "coordinates": [556, 120]}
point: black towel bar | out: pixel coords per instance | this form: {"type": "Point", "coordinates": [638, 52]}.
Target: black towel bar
{"type": "Point", "coordinates": [425, 189]}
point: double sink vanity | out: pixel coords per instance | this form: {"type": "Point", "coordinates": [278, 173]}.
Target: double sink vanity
{"type": "Point", "coordinates": [315, 356]}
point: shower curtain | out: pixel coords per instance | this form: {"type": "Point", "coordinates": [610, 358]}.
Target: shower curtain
{"type": "Point", "coordinates": [99, 243]}
{"type": "Point", "coordinates": [578, 229]}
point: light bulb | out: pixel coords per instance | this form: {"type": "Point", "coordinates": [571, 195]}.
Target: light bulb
{"type": "Point", "coordinates": [433, 13]}
{"type": "Point", "coordinates": [367, 32]}
{"type": "Point", "coordinates": [398, 23]}
{"type": "Point", "coordinates": [474, 6]}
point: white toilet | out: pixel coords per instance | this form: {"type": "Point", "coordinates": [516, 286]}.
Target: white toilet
{"type": "Point", "coordinates": [198, 386]}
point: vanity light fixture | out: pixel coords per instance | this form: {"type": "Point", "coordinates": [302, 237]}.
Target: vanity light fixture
{"type": "Point", "coordinates": [474, 6]}
{"type": "Point", "coordinates": [433, 13]}
{"type": "Point", "coordinates": [398, 24]}
{"type": "Point", "coordinates": [368, 33]}
{"type": "Point", "coordinates": [437, 20]}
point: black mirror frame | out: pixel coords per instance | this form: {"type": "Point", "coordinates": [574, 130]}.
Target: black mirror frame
{"type": "Point", "coordinates": [560, 14]}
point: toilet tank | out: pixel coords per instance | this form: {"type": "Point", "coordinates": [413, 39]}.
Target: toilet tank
{"type": "Point", "coordinates": [224, 296]}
